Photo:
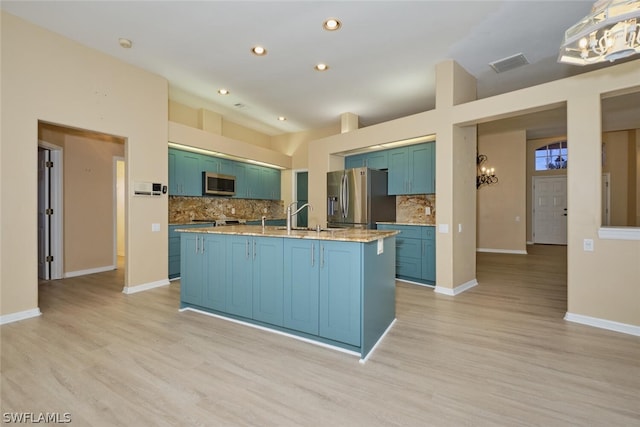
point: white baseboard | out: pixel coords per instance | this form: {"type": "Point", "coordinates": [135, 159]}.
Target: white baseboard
{"type": "Point", "coordinates": [414, 283]}
{"type": "Point", "coordinates": [144, 287]}
{"type": "Point", "coordinates": [384, 334]}
{"type": "Point", "coordinates": [530, 242]}
{"type": "Point", "coordinates": [89, 271]}
{"type": "Point", "coordinates": [457, 290]}
{"type": "Point", "coordinates": [20, 315]}
{"type": "Point", "coordinates": [501, 251]}
{"type": "Point", "coordinates": [603, 324]}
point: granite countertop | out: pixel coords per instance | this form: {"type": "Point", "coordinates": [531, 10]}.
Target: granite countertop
{"type": "Point", "coordinates": [405, 223]}
{"type": "Point", "coordinates": [341, 234]}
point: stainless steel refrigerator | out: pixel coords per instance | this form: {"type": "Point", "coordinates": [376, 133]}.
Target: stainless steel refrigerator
{"type": "Point", "coordinates": [358, 198]}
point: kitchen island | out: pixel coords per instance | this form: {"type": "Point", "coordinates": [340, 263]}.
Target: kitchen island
{"type": "Point", "coordinates": [335, 288]}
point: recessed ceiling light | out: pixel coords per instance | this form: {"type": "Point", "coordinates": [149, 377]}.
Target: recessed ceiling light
{"type": "Point", "coordinates": [321, 67]}
{"type": "Point", "coordinates": [282, 118]}
{"type": "Point", "coordinates": [331, 24]}
{"type": "Point", "coordinates": [125, 43]}
{"type": "Point", "coordinates": [259, 51]}
{"type": "Point", "coordinates": [223, 92]}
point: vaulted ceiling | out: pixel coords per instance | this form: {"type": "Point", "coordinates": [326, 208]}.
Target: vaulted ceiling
{"type": "Point", "coordinates": [381, 61]}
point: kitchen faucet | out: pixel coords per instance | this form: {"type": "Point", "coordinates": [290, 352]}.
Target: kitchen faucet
{"type": "Point", "coordinates": [290, 215]}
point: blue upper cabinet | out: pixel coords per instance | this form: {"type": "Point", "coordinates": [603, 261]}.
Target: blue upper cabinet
{"type": "Point", "coordinates": [373, 160]}
{"type": "Point", "coordinates": [252, 181]}
{"type": "Point", "coordinates": [412, 169]}
{"type": "Point", "coordinates": [185, 175]}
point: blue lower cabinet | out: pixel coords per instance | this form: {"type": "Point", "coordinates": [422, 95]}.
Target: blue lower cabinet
{"type": "Point", "coordinates": [174, 246]}
{"type": "Point", "coordinates": [239, 276]}
{"type": "Point", "coordinates": [192, 267]}
{"type": "Point", "coordinates": [340, 291]}
{"type": "Point", "coordinates": [254, 278]}
{"type": "Point", "coordinates": [268, 280]}
{"type": "Point", "coordinates": [301, 285]}
{"type": "Point", "coordinates": [203, 267]}
{"type": "Point", "coordinates": [415, 252]}
{"type": "Point", "coordinates": [214, 272]}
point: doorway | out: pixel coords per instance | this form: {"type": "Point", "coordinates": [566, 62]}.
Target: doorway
{"type": "Point", "coordinates": [119, 214]}
{"type": "Point", "coordinates": [550, 210]}
{"type": "Point", "coordinates": [302, 196]}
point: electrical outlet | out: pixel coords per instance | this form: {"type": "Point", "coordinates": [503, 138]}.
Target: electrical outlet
{"type": "Point", "coordinates": [587, 245]}
{"type": "Point", "coordinates": [264, 210]}
{"type": "Point", "coordinates": [427, 210]}
{"type": "Point", "coordinates": [233, 210]}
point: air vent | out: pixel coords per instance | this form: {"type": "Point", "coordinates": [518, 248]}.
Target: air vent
{"type": "Point", "coordinates": [509, 63]}
{"type": "Point", "coordinates": [239, 105]}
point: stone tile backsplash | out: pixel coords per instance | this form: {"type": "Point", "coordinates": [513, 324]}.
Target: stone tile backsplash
{"type": "Point", "coordinates": [185, 209]}
{"type": "Point", "coordinates": [411, 209]}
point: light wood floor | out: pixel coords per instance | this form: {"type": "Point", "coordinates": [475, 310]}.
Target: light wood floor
{"type": "Point", "coordinates": [498, 354]}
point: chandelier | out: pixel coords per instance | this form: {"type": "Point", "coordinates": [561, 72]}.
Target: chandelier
{"type": "Point", "coordinates": [486, 176]}
{"type": "Point", "coordinates": [610, 32]}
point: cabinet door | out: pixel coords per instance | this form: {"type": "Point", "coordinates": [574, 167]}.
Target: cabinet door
{"type": "Point", "coordinates": [214, 268]}
{"type": "Point", "coordinates": [255, 184]}
{"type": "Point", "coordinates": [397, 173]}
{"type": "Point", "coordinates": [408, 257]}
{"type": "Point", "coordinates": [431, 176]}
{"type": "Point", "coordinates": [267, 279]}
{"type": "Point", "coordinates": [189, 173]}
{"type": "Point", "coordinates": [239, 171]}
{"type": "Point", "coordinates": [377, 160]}
{"type": "Point", "coordinates": [419, 157]}
{"type": "Point", "coordinates": [429, 255]}
{"type": "Point", "coordinates": [355, 161]}
{"type": "Point", "coordinates": [239, 274]}
{"type": "Point", "coordinates": [191, 262]}
{"type": "Point", "coordinates": [173, 179]}
{"type": "Point", "coordinates": [340, 291]}
{"type": "Point", "coordinates": [271, 179]}
{"type": "Point", "coordinates": [301, 285]}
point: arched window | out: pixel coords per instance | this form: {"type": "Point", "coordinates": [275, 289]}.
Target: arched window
{"type": "Point", "coordinates": [552, 156]}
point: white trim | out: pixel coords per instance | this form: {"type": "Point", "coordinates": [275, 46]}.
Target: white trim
{"type": "Point", "coordinates": [89, 271]}
{"type": "Point", "coordinates": [144, 287]}
{"type": "Point", "coordinates": [619, 233]}
{"type": "Point", "coordinates": [275, 331]}
{"type": "Point", "coordinates": [529, 242]}
{"type": "Point", "coordinates": [20, 315]}
{"type": "Point", "coordinates": [457, 290]}
{"type": "Point", "coordinates": [115, 161]}
{"type": "Point", "coordinates": [384, 334]}
{"type": "Point", "coordinates": [603, 324]}
{"type": "Point", "coordinates": [501, 251]}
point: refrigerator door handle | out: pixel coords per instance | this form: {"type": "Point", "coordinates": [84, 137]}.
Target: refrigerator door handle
{"type": "Point", "coordinates": [345, 196]}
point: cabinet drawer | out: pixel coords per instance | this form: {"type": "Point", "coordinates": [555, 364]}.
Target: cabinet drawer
{"type": "Point", "coordinates": [428, 232]}
{"type": "Point", "coordinates": [412, 231]}
{"type": "Point", "coordinates": [408, 248]}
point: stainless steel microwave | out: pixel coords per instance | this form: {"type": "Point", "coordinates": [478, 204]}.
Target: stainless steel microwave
{"type": "Point", "coordinates": [216, 184]}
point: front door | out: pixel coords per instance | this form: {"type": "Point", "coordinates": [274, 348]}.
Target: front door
{"type": "Point", "coordinates": [550, 210]}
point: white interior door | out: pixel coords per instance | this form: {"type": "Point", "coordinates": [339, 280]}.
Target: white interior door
{"type": "Point", "coordinates": [44, 210]}
{"type": "Point", "coordinates": [550, 210]}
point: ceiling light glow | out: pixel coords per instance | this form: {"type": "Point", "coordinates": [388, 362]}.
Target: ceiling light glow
{"type": "Point", "coordinates": [332, 24]}
{"type": "Point", "coordinates": [125, 43]}
{"type": "Point", "coordinates": [259, 50]}
{"type": "Point", "coordinates": [321, 67]}
{"type": "Point", "coordinates": [223, 91]}
{"type": "Point", "coordinates": [282, 118]}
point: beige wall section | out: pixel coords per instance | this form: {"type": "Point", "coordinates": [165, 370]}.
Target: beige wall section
{"type": "Point", "coordinates": [502, 206]}
{"type": "Point", "coordinates": [50, 78]}
{"type": "Point", "coordinates": [89, 203]}
{"type": "Point", "coordinates": [235, 131]}
{"type": "Point", "coordinates": [192, 137]}
{"type": "Point", "coordinates": [183, 114]}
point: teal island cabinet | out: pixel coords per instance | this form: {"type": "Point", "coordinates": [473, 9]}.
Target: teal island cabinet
{"type": "Point", "coordinates": [332, 287]}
